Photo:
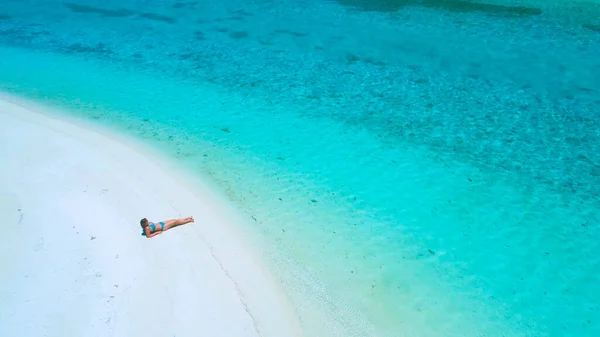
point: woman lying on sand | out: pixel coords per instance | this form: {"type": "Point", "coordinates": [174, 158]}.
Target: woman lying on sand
{"type": "Point", "coordinates": [150, 229]}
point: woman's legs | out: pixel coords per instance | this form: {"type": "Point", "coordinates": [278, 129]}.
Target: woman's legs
{"type": "Point", "coordinates": [177, 222]}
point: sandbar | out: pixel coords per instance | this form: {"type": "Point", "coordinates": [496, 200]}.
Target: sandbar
{"type": "Point", "coordinates": [74, 262]}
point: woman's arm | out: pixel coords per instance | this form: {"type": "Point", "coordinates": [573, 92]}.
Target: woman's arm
{"type": "Point", "coordinates": [148, 235]}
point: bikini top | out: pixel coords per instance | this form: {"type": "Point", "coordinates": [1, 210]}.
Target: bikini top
{"type": "Point", "coordinates": [151, 225]}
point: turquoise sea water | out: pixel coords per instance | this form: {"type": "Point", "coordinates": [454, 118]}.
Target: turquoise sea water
{"type": "Point", "coordinates": [407, 168]}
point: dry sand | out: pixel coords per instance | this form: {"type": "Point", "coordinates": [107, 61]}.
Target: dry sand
{"type": "Point", "coordinates": [74, 263]}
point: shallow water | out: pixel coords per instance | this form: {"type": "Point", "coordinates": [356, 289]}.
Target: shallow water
{"type": "Point", "coordinates": [408, 168]}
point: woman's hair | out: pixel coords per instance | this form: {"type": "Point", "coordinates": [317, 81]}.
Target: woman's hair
{"type": "Point", "coordinates": [144, 222]}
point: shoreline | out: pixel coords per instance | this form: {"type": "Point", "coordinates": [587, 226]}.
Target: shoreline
{"type": "Point", "coordinates": [152, 109]}
{"type": "Point", "coordinates": [64, 157]}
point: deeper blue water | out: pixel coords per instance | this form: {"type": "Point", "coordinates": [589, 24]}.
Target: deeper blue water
{"type": "Point", "coordinates": [407, 168]}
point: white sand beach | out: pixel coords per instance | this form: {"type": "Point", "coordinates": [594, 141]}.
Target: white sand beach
{"type": "Point", "coordinates": [74, 262]}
